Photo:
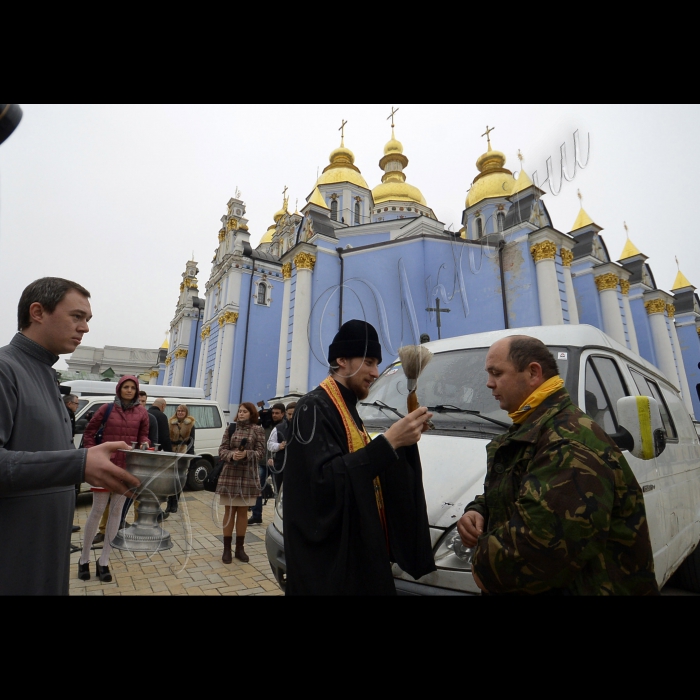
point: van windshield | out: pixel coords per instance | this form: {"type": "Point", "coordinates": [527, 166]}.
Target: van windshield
{"type": "Point", "coordinates": [454, 380]}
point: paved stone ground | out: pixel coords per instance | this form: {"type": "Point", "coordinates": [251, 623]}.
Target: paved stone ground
{"type": "Point", "coordinates": [177, 571]}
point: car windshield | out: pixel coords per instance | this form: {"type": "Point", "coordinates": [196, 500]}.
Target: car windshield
{"type": "Point", "coordinates": [454, 381]}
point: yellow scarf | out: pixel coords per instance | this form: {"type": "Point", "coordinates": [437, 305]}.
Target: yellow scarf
{"type": "Point", "coordinates": [357, 439]}
{"type": "Point", "coordinates": [536, 398]}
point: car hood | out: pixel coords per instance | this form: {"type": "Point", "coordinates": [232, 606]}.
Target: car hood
{"type": "Point", "coordinates": [454, 468]}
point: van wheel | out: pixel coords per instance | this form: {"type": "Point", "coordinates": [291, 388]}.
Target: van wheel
{"type": "Point", "coordinates": [687, 576]}
{"type": "Point", "coordinates": [198, 473]}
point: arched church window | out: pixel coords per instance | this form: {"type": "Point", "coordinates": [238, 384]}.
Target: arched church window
{"type": "Point", "coordinates": [262, 293]}
{"type": "Point", "coordinates": [357, 214]}
{"type": "Point", "coordinates": [479, 225]}
{"type": "Point", "coordinates": [501, 221]}
{"type": "Point", "coordinates": [334, 209]}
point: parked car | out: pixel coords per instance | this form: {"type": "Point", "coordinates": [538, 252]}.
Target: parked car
{"type": "Point", "coordinates": [209, 429]}
{"type": "Point", "coordinates": [598, 373]}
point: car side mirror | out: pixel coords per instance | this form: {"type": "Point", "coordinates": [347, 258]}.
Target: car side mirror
{"type": "Point", "coordinates": [641, 428]}
{"type": "Point", "coordinates": [80, 425]}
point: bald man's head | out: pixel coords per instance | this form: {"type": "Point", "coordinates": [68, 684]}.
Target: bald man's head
{"type": "Point", "coordinates": [160, 403]}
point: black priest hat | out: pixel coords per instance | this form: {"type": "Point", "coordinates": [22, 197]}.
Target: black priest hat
{"type": "Point", "coordinates": [355, 339]}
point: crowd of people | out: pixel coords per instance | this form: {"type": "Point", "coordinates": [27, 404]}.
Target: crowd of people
{"type": "Point", "coordinates": [353, 505]}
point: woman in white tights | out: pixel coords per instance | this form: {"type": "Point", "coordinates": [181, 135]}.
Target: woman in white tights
{"type": "Point", "coordinates": [125, 419]}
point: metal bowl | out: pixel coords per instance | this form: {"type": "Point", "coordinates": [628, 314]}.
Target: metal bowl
{"type": "Point", "coordinates": [162, 473]}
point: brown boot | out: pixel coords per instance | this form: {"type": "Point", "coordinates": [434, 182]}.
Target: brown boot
{"type": "Point", "coordinates": [226, 558]}
{"type": "Point", "coordinates": [240, 552]}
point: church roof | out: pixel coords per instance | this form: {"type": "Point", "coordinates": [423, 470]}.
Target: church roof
{"type": "Point", "coordinates": [522, 182]}
{"type": "Point", "coordinates": [261, 255]}
{"type": "Point", "coordinates": [165, 344]}
{"type": "Point", "coordinates": [629, 250]}
{"type": "Point", "coordinates": [582, 220]}
{"type": "Point", "coordinates": [317, 199]}
{"type": "Point", "coordinates": [681, 281]}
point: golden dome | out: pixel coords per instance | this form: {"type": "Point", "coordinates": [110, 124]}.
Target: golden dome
{"type": "Point", "coordinates": [281, 212]}
{"type": "Point", "coordinates": [267, 238]}
{"type": "Point", "coordinates": [342, 169]}
{"type": "Point", "coordinates": [393, 145]}
{"type": "Point", "coordinates": [493, 180]}
{"type": "Point", "coordinates": [165, 344]}
{"type": "Point", "coordinates": [394, 187]}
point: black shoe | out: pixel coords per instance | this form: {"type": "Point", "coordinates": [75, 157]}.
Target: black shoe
{"type": "Point", "coordinates": [99, 538]}
{"type": "Point", "coordinates": [84, 571]}
{"type": "Point", "coordinates": [103, 572]}
{"type": "Point", "coordinates": [75, 528]}
{"type": "Point", "coordinates": [162, 516]}
{"type": "Point", "coordinates": [254, 521]}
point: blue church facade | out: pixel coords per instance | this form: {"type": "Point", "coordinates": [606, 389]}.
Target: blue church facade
{"type": "Point", "coordinates": [268, 315]}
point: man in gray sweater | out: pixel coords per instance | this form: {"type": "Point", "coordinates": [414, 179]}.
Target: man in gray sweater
{"type": "Point", "coordinates": [39, 465]}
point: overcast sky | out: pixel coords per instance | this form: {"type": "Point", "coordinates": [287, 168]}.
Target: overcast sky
{"type": "Point", "coordinates": [118, 197]}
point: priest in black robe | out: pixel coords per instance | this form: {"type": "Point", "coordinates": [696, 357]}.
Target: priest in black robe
{"type": "Point", "coordinates": [352, 505]}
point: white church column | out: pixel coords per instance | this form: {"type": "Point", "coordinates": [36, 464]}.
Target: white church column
{"type": "Point", "coordinates": [656, 308]}
{"type": "Point", "coordinates": [631, 332]}
{"type": "Point", "coordinates": [227, 321]}
{"type": "Point", "coordinates": [153, 377]}
{"type": "Point", "coordinates": [685, 388]}
{"type": "Point", "coordinates": [567, 258]}
{"type": "Point", "coordinates": [179, 373]}
{"type": "Point", "coordinates": [284, 329]}
{"type": "Point", "coordinates": [203, 351]}
{"type": "Point", "coordinates": [299, 375]}
{"type": "Point", "coordinates": [612, 320]}
{"type": "Point", "coordinates": [547, 284]}
{"type": "Point", "coordinates": [168, 360]}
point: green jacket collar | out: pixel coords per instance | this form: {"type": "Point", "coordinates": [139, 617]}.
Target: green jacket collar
{"type": "Point", "coordinates": [531, 429]}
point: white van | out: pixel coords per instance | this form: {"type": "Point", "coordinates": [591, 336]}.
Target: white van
{"type": "Point", "coordinates": [598, 372]}
{"type": "Point", "coordinates": [210, 424]}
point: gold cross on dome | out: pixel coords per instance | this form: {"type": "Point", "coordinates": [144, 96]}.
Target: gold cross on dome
{"type": "Point", "coordinates": [627, 231]}
{"type": "Point", "coordinates": [521, 157]}
{"type": "Point", "coordinates": [391, 116]}
{"type": "Point", "coordinates": [486, 134]}
{"type": "Point", "coordinates": [342, 129]}
{"type": "Point", "coordinates": [580, 198]}
{"type": "Point", "coordinates": [284, 192]}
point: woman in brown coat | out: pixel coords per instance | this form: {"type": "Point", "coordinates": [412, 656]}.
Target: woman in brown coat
{"type": "Point", "coordinates": [181, 427]}
{"type": "Point", "coordinates": [239, 483]}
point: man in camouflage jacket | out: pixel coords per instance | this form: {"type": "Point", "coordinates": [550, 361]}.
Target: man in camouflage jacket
{"type": "Point", "coordinates": [562, 513]}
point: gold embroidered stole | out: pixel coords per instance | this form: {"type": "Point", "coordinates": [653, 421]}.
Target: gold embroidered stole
{"type": "Point", "coordinates": [357, 439]}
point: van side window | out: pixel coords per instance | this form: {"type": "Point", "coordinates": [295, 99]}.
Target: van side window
{"type": "Point", "coordinates": [648, 387]}
{"type": "Point", "coordinates": [205, 416]}
{"type": "Point", "coordinates": [603, 388]}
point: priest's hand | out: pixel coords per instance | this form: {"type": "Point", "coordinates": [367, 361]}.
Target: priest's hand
{"type": "Point", "coordinates": [408, 430]}
{"type": "Point", "coordinates": [100, 471]}
{"type": "Point", "coordinates": [470, 527]}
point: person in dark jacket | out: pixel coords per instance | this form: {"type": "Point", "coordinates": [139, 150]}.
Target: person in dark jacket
{"type": "Point", "coordinates": [39, 465]}
{"type": "Point", "coordinates": [267, 462]}
{"type": "Point", "coordinates": [561, 513]}
{"type": "Point", "coordinates": [352, 505]}
{"type": "Point", "coordinates": [152, 422]}
{"type": "Point", "coordinates": [125, 419]}
{"type": "Point", "coordinates": [157, 410]}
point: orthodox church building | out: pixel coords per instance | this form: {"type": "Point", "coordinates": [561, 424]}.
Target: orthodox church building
{"type": "Point", "coordinates": [268, 314]}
